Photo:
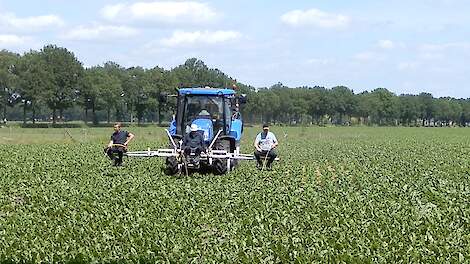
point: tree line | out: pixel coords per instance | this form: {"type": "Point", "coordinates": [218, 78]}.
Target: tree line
{"type": "Point", "coordinates": [53, 85]}
{"type": "Point", "coordinates": [340, 105]}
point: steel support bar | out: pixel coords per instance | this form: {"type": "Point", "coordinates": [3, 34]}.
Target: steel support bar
{"type": "Point", "coordinates": [214, 154]}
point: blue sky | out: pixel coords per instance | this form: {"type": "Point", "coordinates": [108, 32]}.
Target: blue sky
{"type": "Point", "coordinates": [404, 46]}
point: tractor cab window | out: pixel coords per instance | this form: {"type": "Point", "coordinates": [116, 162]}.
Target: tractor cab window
{"type": "Point", "coordinates": [204, 107]}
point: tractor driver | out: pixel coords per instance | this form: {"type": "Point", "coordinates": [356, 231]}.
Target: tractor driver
{"type": "Point", "coordinates": [265, 144]}
{"type": "Point", "coordinates": [193, 142]}
{"type": "Point", "coordinates": [204, 114]}
{"type": "Point", "coordinates": [118, 144]}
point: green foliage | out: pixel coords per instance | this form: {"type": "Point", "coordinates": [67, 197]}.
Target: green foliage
{"type": "Point", "coordinates": [8, 78]}
{"type": "Point", "coordinates": [195, 72]}
{"type": "Point", "coordinates": [360, 195]}
{"type": "Point", "coordinates": [65, 71]}
{"type": "Point", "coordinates": [54, 77]}
{"type": "Point", "coordinates": [33, 80]}
{"type": "Point", "coordinates": [100, 90]}
{"type": "Point", "coordinates": [8, 62]}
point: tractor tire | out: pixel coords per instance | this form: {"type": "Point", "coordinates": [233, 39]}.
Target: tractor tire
{"type": "Point", "coordinates": [171, 163]}
{"type": "Point", "coordinates": [171, 167]}
{"type": "Point", "coordinates": [220, 165]}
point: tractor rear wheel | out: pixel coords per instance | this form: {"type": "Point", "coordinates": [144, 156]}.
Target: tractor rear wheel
{"type": "Point", "coordinates": [220, 165]}
{"type": "Point", "coordinates": [171, 167]}
{"type": "Point", "coordinates": [171, 163]}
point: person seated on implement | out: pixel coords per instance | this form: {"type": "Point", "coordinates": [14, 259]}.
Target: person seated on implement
{"type": "Point", "coordinates": [193, 142]}
{"type": "Point", "coordinates": [265, 145]}
{"type": "Point", "coordinates": [118, 144]}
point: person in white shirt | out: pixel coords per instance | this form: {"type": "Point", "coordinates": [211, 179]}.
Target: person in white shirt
{"type": "Point", "coordinates": [265, 144]}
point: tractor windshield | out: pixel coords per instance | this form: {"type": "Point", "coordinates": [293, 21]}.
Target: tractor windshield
{"type": "Point", "coordinates": [205, 107]}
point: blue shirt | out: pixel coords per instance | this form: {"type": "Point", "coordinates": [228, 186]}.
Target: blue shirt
{"type": "Point", "coordinates": [265, 141]}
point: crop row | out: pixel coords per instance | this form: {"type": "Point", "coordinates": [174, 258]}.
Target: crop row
{"type": "Point", "coordinates": [338, 194]}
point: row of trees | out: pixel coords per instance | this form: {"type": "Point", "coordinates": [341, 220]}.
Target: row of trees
{"type": "Point", "coordinates": [52, 83]}
{"type": "Point", "coordinates": [340, 105]}
{"type": "Point", "coordinates": [55, 79]}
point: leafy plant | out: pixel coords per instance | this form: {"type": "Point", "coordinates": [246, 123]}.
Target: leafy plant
{"type": "Point", "coordinates": [363, 195]}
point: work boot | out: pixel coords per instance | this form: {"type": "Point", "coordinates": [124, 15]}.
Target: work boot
{"type": "Point", "coordinates": [269, 167]}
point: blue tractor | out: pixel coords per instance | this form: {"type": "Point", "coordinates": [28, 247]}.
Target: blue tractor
{"type": "Point", "coordinates": [215, 112]}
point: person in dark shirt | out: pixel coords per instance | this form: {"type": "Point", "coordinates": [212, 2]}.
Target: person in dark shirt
{"type": "Point", "coordinates": [193, 142]}
{"type": "Point", "coordinates": [118, 144]}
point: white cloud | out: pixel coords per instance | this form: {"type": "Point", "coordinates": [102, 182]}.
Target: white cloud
{"type": "Point", "coordinates": [183, 38]}
{"type": "Point", "coordinates": [431, 56]}
{"type": "Point", "coordinates": [389, 44]}
{"type": "Point", "coordinates": [100, 32]}
{"type": "Point", "coordinates": [112, 11]}
{"type": "Point", "coordinates": [369, 56]}
{"type": "Point", "coordinates": [316, 18]}
{"type": "Point", "coordinates": [408, 65]}
{"type": "Point", "coordinates": [11, 22]}
{"type": "Point", "coordinates": [445, 46]}
{"type": "Point", "coordinates": [449, 51]}
{"type": "Point", "coordinates": [165, 11]}
{"type": "Point", "coordinates": [321, 61]}
{"type": "Point", "coordinates": [386, 44]}
{"type": "Point", "coordinates": [12, 40]}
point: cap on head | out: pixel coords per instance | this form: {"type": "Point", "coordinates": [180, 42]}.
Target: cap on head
{"type": "Point", "coordinates": [194, 128]}
{"type": "Point", "coordinates": [265, 125]}
{"type": "Point", "coordinates": [204, 112]}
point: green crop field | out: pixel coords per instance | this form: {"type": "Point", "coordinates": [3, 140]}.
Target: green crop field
{"type": "Point", "coordinates": [361, 195]}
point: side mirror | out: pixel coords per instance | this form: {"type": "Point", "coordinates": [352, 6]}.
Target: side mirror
{"type": "Point", "coordinates": [242, 99]}
{"type": "Point", "coordinates": [162, 97]}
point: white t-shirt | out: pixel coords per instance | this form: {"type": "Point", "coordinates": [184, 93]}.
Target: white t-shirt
{"type": "Point", "coordinates": [265, 143]}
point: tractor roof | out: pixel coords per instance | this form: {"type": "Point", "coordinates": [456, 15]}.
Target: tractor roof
{"type": "Point", "coordinates": [207, 91]}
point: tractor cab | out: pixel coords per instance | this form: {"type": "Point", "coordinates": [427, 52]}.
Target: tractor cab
{"type": "Point", "coordinates": [211, 109]}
